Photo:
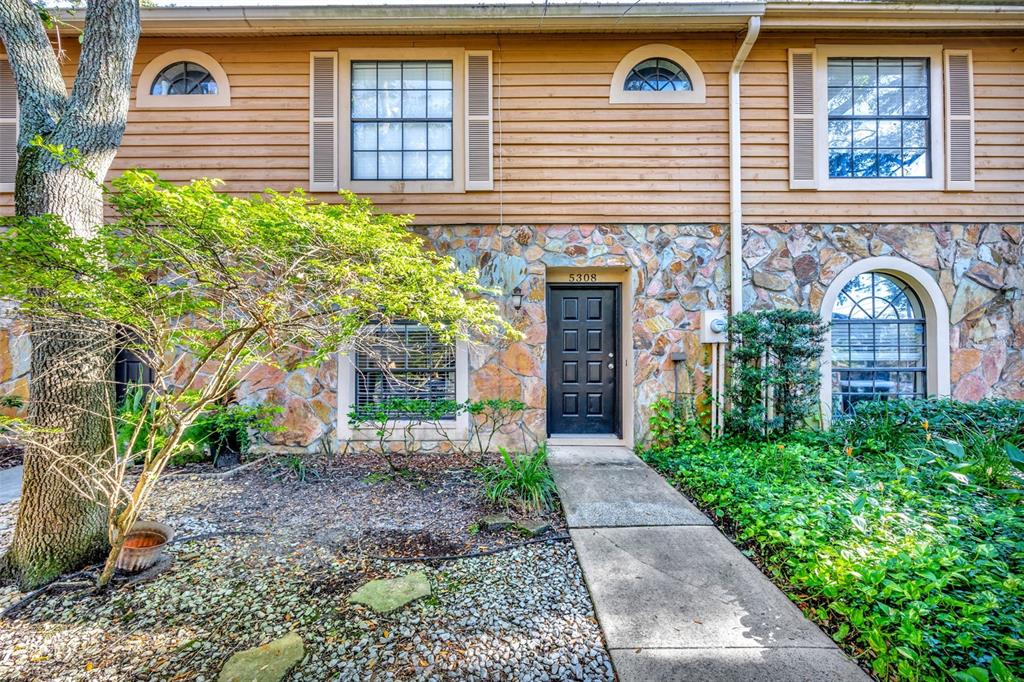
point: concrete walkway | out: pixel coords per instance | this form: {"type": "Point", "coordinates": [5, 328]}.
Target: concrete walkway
{"type": "Point", "coordinates": [675, 599]}
{"type": "Point", "coordinates": [10, 484]}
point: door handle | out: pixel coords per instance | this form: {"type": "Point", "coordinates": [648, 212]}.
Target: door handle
{"type": "Point", "coordinates": [611, 365]}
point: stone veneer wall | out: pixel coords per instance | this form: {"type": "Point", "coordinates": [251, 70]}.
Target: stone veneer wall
{"type": "Point", "coordinates": [677, 271]}
{"type": "Point", "coordinates": [792, 266]}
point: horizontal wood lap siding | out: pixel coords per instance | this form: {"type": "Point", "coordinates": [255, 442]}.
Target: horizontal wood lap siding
{"type": "Point", "coordinates": [999, 149]}
{"type": "Point", "coordinates": [562, 152]}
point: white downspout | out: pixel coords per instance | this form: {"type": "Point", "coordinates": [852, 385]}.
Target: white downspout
{"type": "Point", "coordinates": [736, 169]}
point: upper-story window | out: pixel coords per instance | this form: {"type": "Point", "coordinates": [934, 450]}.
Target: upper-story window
{"type": "Point", "coordinates": [402, 116]}
{"type": "Point", "coordinates": [183, 79]}
{"type": "Point", "coordinates": [881, 117]}
{"type": "Point", "coordinates": [401, 120]}
{"type": "Point", "coordinates": [878, 118]}
{"type": "Point", "coordinates": [657, 74]}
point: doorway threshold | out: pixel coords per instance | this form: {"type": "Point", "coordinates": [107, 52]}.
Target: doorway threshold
{"type": "Point", "coordinates": [601, 440]}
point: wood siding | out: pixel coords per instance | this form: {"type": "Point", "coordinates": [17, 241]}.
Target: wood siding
{"type": "Point", "coordinates": [999, 143]}
{"type": "Point", "coordinates": [563, 154]}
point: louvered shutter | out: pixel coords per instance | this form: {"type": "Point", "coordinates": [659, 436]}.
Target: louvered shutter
{"type": "Point", "coordinates": [959, 120]}
{"type": "Point", "coordinates": [802, 160]}
{"type": "Point", "coordinates": [323, 121]}
{"type": "Point", "coordinates": [8, 126]}
{"type": "Point", "coordinates": [479, 136]}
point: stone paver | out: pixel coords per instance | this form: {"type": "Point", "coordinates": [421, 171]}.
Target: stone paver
{"type": "Point", "coordinates": [675, 599]}
{"type": "Point", "coordinates": [10, 484]}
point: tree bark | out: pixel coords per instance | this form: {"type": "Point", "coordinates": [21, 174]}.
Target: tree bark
{"type": "Point", "coordinates": [59, 528]}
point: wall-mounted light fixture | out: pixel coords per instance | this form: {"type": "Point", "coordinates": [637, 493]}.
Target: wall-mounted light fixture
{"type": "Point", "coordinates": [517, 298]}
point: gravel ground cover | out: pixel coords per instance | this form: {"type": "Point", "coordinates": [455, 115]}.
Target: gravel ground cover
{"type": "Point", "coordinates": [519, 614]}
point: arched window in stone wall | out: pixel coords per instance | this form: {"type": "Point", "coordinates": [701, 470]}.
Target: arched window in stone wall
{"type": "Point", "coordinates": [888, 336]}
{"type": "Point", "coordinates": [879, 345]}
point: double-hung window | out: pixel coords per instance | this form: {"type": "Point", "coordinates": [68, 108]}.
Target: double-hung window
{"type": "Point", "coordinates": [402, 120]}
{"type": "Point", "coordinates": [406, 361]}
{"type": "Point", "coordinates": [878, 118]}
{"type": "Point", "coordinates": [881, 117]}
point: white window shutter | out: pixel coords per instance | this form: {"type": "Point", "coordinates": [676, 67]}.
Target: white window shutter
{"type": "Point", "coordinates": [323, 121]}
{"type": "Point", "coordinates": [959, 120]}
{"type": "Point", "coordinates": [8, 127]}
{"type": "Point", "coordinates": [802, 161]}
{"type": "Point", "coordinates": [479, 121]}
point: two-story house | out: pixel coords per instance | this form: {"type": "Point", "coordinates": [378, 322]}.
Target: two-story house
{"type": "Point", "coordinates": [622, 171]}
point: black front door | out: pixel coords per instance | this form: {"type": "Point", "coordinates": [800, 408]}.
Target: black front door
{"type": "Point", "coordinates": [583, 358]}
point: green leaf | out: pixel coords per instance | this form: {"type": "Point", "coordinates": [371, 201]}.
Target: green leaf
{"type": "Point", "coordinates": [1000, 672]}
{"type": "Point", "coordinates": [1015, 454]}
{"type": "Point", "coordinates": [972, 675]}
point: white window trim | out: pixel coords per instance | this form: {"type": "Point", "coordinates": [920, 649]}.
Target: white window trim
{"type": "Point", "coordinates": [458, 182]}
{"type": "Point", "coordinates": [7, 187]}
{"type": "Point", "coordinates": [618, 95]}
{"type": "Point", "coordinates": [456, 429]}
{"type": "Point", "coordinates": [937, 118]}
{"type": "Point", "coordinates": [936, 315]}
{"type": "Point", "coordinates": [144, 100]}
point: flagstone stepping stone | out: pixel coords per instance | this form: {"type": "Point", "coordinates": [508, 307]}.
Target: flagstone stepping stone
{"type": "Point", "coordinates": [532, 528]}
{"type": "Point", "coordinates": [388, 594]}
{"type": "Point", "coordinates": [493, 522]}
{"type": "Point", "coordinates": [267, 663]}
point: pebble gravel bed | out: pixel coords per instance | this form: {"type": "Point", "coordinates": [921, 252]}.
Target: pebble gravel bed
{"type": "Point", "coordinates": [520, 614]}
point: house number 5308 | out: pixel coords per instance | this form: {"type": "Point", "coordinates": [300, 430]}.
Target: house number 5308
{"type": "Point", "coordinates": [583, 277]}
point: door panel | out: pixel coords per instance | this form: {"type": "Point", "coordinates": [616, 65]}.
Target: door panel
{"type": "Point", "coordinates": [582, 359]}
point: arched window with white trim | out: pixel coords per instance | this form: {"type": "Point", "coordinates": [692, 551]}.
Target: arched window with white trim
{"type": "Point", "coordinates": [183, 79]}
{"type": "Point", "coordinates": [879, 346]}
{"type": "Point", "coordinates": [888, 335]}
{"type": "Point", "coordinates": [657, 74]}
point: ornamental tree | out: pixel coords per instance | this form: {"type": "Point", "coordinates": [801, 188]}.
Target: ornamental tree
{"type": "Point", "coordinates": [205, 287]}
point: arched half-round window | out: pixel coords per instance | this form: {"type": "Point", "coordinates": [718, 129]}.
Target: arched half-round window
{"type": "Point", "coordinates": [879, 342]}
{"type": "Point", "coordinates": [657, 74]}
{"type": "Point", "coordinates": [182, 79]}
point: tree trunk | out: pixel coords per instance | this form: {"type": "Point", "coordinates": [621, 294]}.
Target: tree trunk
{"type": "Point", "coordinates": [61, 526]}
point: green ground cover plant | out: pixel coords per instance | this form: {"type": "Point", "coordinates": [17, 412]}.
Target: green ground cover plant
{"type": "Point", "coordinates": [899, 540]}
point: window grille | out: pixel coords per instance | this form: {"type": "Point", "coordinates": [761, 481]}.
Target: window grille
{"type": "Point", "coordinates": [879, 347]}
{"type": "Point", "coordinates": [878, 118]}
{"type": "Point", "coordinates": [401, 120]}
{"type": "Point", "coordinates": [405, 361]}
{"type": "Point", "coordinates": [184, 78]}
{"type": "Point", "coordinates": [656, 75]}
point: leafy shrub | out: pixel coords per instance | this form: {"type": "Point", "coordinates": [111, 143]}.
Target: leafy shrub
{"type": "Point", "coordinates": [670, 421]}
{"type": "Point", "coordinates": [775, 378]}
{"type": "Point", "coordinates": [134, 423]}
{"type": "Point", "coordinates": [983, 430]}
{"type": "Point", "coordinates": [487, 418]}
{"type": "Point", "coordinates": [909, 565]}
{"type": "Point", "coordinates": [228, 429]}
{"type": "Point", "coordinates": [521, 481]}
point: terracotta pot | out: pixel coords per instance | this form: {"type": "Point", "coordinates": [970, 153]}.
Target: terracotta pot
{"type": "Point", "coordinates": [143, 545]}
